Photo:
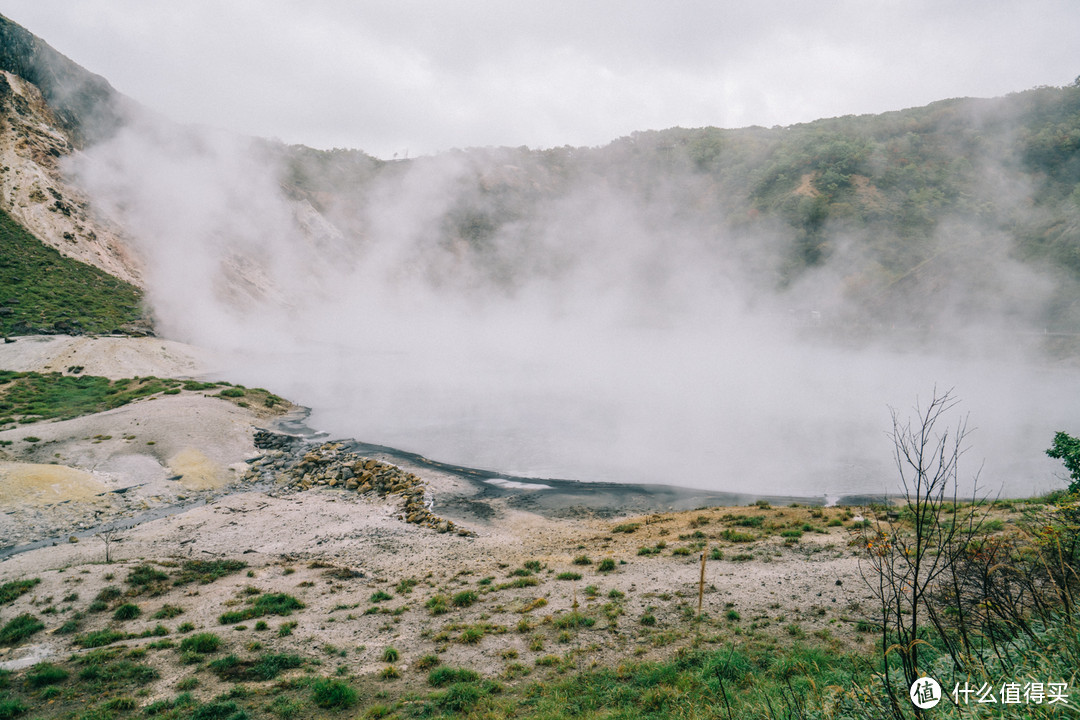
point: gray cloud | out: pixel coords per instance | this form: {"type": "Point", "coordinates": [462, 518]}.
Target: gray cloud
{"type": "Point", "coordinates": [388, 77]}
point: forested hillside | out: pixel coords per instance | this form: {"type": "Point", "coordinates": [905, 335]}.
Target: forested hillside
{"type": "Point", "coordinates": [905, 203]}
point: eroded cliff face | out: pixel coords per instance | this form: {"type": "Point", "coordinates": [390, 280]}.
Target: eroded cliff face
{"type": "Point", "coordinates": [33, 188]}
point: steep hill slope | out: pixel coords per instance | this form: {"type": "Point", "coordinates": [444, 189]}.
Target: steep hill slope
{"type": "Point", "coordinates": [50, 108]}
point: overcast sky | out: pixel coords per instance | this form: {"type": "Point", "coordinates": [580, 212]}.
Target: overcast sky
{"type": "Point", "coordinates": [419, 77]}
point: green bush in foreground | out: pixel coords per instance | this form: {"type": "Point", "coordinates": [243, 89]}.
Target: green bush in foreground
{"type": "Point", "coordinates": [11, 709]}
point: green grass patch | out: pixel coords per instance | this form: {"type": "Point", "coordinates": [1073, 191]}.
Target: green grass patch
{"type": "Point", "coordinates": [444, 676]}
{"type": "Point", "coordinates": [519, 582]}
{"type": "Point", "coordinates": [46, 673]}
{"type": "Point", "coordinates": [33, 396]}
{"type": "Point", "coordinates": [465, 598]}
{"type": "Point", "coordinates": [572, 620]}
{"type": "Point", "coordinates": [11, 590]}
{"type": "Point", "coordinates": [333, 694]}
{"type": "Point", "coordinates": [207, 571]}
{"type": "Point", "coordinates": [19, 629]}
{"type": "Point", "coordinates": [268, 604]}
{"type": "Point", "coordinates": [202, 643]}
{"type": "Point", "coordinates": [261, 669]}
{"type": "Point", "coordinates": [127, 611]}
{"type": "Point", "coordinates": [168, 612]}
{"type": "Point", "coordinates": [45, 292]}
{"type": "Point", "coordinates": [145, 576]}
{"type": "Point", "coordinates": [99, 638]}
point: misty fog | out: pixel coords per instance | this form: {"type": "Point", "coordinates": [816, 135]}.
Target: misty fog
{"type": "Point", "coordinates": [605, 336]}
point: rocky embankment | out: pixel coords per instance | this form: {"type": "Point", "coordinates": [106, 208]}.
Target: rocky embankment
{"type": "Point", "coordinates": [288, 460]}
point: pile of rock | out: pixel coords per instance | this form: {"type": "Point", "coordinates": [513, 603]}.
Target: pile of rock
{"type": "Point", "coordinates": [290, 462]}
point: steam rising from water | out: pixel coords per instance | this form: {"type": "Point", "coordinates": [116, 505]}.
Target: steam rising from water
{"type": "Point", "coordinates": [602, 337]}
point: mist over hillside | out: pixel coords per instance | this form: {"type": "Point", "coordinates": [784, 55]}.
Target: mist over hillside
{"type": "Point", "coordinates": [732, 309]}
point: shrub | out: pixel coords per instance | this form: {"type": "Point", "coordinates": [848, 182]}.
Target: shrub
{"type": "Point", "coordinates": [167, 612]}
{"type": "Point", "coordinates": [582, 560]}
{"type": "Point", "coordinates": [127, 611]}
{"type": "Point", "coordinates": [329, 693]}
{"type": "Point", "coordinates": [406, 586]}
{"type": "Point", "coordinates": [606, 565]}
{"type": "Point", "coordinates": [437, 605]}
{"type": "Point", "coordinates": [441, 677]}
{"type": "Point", "coordinates": [202, 643]}
{"type": "Point", "coordinates": [269, 666]}
{"type": "Point", "coordinates": [70, 626]}
{"type": "Point", "coordinates": [219, 710]}
{"type": "Point", "coordinates": [108, 594]}
{"type": "Point", "coordinates": [46, 673]}
{"type": "Point", "coordinates": [145, 575]}
{"type": "Point", "coordinates": [648, 620]}
{"type": "Point", "coordinates": [207, 571]}
{"type": "Point", "coordinates": [380, 596]}
{"type": "Point", "coordinates": [20, 628]}
{"type": "Point", "coordinates": [390, 655]}
{"type": "Point", "coordinates": [232, 393]}
{"type": "Point", "coordinates": [460, 697]}
{"type": "Point", "coordinates": [11, 590]}
{"type": "Point", "coordinates": [427, 662]}
{"type": "Point", "coordinates": [1066, 448]}
{"type": "Point", "coordinates": [268, 604]}
{"type": "Point", "coordinates": [737, 537]}
{"type": "Point", "coordinates": [11, 708]}
{"type": "Point", "coordinates": [465, 598]}
{"type": "Point", "coordinates": [568, 576]}
{"type": "Point", "coordinates": [122, 704]}
{"type": "Point", "coordinates": [472, 635]}
{"type": "Point", "coordinates": [100, 638]}
{"type": "Point", "coordinates": [573, 620]}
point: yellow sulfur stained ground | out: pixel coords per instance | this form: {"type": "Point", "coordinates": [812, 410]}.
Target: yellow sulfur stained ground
{"type": "Point", "coordinates": [197, 471]}
{"type": "Point", "coordinates": [45, 484]}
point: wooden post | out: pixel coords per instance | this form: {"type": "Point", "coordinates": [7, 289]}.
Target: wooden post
{"type": "Point", "coordinates": [701, 583]}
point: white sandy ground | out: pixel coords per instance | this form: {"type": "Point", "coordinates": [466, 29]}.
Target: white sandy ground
{"type": "Point", "coordinates": [280, 533]}
{"type": "Point", "coordinates": [280, 536]}
{"type": "Point", "coordinates": [111, 357]}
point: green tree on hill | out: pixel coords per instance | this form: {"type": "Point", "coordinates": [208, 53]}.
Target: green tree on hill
{"type": "Point", "coordinates": [1066, 448]}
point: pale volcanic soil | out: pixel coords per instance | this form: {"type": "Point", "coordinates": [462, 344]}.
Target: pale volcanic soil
{"type": "Point", "coordinates": [334, 549]}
